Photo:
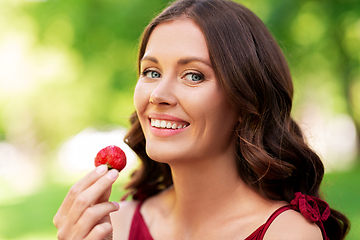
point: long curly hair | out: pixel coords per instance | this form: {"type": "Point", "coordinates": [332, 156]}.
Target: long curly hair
{"type": "Point", "coordinates": [272, 155]}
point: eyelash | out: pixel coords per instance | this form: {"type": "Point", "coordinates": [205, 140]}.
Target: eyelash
{"type": "Point", "coordinates": [202, 77]}
{"type": "Point", "coordinates": [146, 71]}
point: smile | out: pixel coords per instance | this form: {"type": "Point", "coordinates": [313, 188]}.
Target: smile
{"type": "Point", "coordinates": [157, 123]}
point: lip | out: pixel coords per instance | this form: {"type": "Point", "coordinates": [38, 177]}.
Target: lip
{"type": "Point", "coordinates": [165, 132]}
{"type": "Point", "coordinates": [166, 117]}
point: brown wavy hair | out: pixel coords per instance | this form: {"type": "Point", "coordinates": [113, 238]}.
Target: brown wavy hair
{"type": "Point", "coordinates": [272, 156]}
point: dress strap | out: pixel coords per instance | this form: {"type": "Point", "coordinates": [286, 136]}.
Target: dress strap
{"type": "Point", "coordinates": [139, 230]}
{"type": "Point", "coordinates": [259, 233]}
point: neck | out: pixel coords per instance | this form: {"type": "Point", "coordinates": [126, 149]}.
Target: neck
{"type": "Point", "coordinates": [207, 192]}
{"type": "Point", "coordinates": [203, 183]}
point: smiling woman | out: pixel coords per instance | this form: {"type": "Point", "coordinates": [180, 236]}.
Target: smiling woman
{"type": "Point", "coordinates": [221, 156]}
{"type": "Point", "coordinates": [176, 85]}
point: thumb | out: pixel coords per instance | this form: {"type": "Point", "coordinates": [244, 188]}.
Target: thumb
{"type": "Point", "coordinates": [106, 195]}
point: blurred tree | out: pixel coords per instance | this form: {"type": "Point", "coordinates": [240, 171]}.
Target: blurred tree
{"type": "Point", "coordinates": [93, 46]}
{"type": "Point", "coordinates": [322, 42]}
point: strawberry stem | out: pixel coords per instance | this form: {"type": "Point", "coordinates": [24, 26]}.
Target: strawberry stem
{"type": "Point", "coordinates": [109, 166]}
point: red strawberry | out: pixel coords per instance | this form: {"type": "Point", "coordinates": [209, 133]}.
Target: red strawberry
{"type": "Point", "coordinates": [112, 156]}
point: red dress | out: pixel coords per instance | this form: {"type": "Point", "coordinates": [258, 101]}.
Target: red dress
{"type": "Point", "coordinates": [306, 205]}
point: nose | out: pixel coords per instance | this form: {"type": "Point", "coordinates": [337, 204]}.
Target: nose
{"type": "Point", "coordinates": [164, 94]}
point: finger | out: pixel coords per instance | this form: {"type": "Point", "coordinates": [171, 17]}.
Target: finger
{"type": "Point", "coordinates": [95, 215]}
{"type": "Point", "coordinates": [105, 196]}
{"type": "Point", "coordinates": [89, 196]}
{"type": "Point", "coordinates": [101, 231]}
{"type": "Point", "coordinates": [75, 190]}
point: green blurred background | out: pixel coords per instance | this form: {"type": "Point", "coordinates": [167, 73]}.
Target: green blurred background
{"type": "Point", "coordinates": [67, 74]}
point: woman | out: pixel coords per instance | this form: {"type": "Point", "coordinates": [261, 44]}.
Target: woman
{"type": "Point", "coordinates": [221, 156]}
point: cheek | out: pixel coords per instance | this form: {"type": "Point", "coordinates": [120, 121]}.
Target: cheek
{"type": "Point", "coordinates": [218, 111]}
{"type": "Point", "coordinates": [141, 97]}
{"type": "Point", "coordinates": [210, 102]}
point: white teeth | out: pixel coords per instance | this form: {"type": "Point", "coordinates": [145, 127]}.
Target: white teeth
{"type": "Point", "coordinates": [164, 124]}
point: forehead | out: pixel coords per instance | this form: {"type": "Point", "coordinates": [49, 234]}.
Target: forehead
{"type": "Point", "coordinates": [181, 37]}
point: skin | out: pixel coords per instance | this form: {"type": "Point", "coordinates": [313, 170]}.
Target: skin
{"type": "Point", "coordinates": [208, 199]}
{"type": "Point", "coordinates": [84, 213]}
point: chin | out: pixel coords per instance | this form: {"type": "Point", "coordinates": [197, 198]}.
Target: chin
{"type": "Point", "coordinates": [161, 157]}
{"type": "Point", "coordinates": [168, 156]}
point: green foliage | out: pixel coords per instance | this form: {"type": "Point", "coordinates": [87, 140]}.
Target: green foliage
{"type": "Point", "coordinates": [34, 219]}
{"type": "Point", "coordinates": [87, 64]}
{"type": "Point", "coordinates": [341, 191]}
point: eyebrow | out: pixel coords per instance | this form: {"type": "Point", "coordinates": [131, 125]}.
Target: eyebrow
{"type": "Point", "coordinates": [182, 61]}
{"type": "Point", "coordinates": [152, 59]}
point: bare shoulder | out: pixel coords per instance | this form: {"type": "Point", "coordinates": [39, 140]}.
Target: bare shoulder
{"type": "Point", "coordinates": [121, 219]}
{"type": "Point", "coordinates": [292, 225]}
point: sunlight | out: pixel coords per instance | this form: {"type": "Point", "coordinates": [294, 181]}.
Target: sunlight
{"type": "Point", "coordinates": [15, 68]}
{"type": "Point", "coordinates": [19, 175]}
{"type": "Point", "coordinates": [334, 139]}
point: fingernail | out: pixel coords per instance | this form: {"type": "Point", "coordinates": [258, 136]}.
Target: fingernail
{"type": "Point", "coordinates": [112, 174]}
{"type": "Point", "coordinates": [116, 204]}
{"type": "Point", "coordinates": [101, 169]}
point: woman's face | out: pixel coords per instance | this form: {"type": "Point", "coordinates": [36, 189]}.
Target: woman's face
{"type": "Point", "coordinates": [182, 111]}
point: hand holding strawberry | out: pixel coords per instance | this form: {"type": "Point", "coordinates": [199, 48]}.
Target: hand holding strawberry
{"type": "Point", "coordinates": [85, 211]}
